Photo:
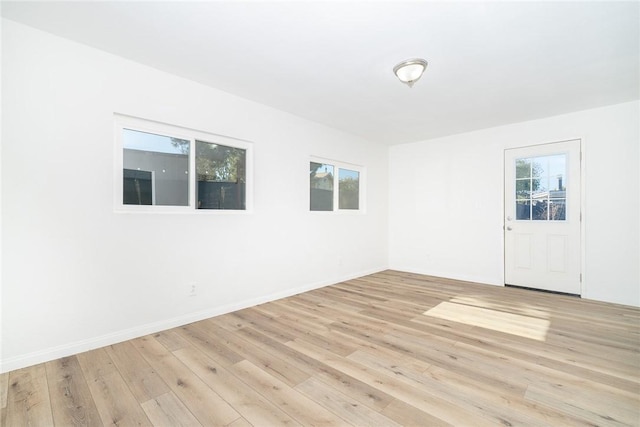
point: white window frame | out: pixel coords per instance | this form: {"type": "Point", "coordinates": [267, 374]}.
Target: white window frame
{"type": "Point", "coordinates": [122, 122]}
{"type": "Point", "coordinates": [362, 190]}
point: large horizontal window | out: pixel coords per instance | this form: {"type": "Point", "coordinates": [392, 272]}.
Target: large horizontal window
{"type": "Point", "coordinates": [335, 186]}
{"type": "Point", "coordinates": [165, 168]}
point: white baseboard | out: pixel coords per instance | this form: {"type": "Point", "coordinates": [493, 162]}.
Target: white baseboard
{"type": "Point", "coordinates": [64, 350]}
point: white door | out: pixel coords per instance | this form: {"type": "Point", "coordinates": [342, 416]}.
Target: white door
{"type": "Point", "coordinates": [542, 217]}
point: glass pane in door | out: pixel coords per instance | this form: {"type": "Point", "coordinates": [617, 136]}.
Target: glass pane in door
{"type": "Point", "coordinates": [541, 188]}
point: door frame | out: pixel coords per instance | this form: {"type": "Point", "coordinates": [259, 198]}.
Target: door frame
{"type": "Point", "coordinates": [583, 276]}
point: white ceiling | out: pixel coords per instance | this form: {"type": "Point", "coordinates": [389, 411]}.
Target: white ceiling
{"type": "Point", "coordinates": [490, 63]}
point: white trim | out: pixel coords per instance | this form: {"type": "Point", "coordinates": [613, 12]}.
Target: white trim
{"type": "Point", "coordinates": [583, 194]}
{"type": "Point", "coordinates": [70, 349]}
{"type": "Point", "coordinates": [122, 121]}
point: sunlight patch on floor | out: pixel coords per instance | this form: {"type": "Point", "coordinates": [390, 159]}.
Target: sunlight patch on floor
{"type": "Point", "coordinates": [509, 323]}
{"type": "Point", "coordinates": [522, 308]}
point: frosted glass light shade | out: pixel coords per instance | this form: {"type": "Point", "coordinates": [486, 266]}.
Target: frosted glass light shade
{"type": "Point", "coordinates": [410, 71]}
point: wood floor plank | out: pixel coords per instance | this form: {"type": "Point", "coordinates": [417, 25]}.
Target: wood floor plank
{"type": "Point", "coordinates": [591, 405]}
{"type": "Point", "coordinates": [28, 402]}
{"type": "Point", "coordinates": [4, 388]}
{"type": "Point", "coordinates": [4, 392]}
{"type": "Point", "coordinates": [523, 347]}
{"type": "Point", "coordinates": [241, 422]}
{"type": "Point", "coordinates": [295, 404]}
{"type": "Point", "coordinates": [268, 323]}
{"type": "Point", "coordinates": [525, 370]}
{"type": "Point", "coordinates": [420, 398]}
{"type": "Point", "coordinates": [196, 334]}
{"type": "Point", "coordinates": [203, 402]}
{"type": "Point", "coordinates": [230, 321]}
{"type": "Point", "coordinates": [168, 410]}
{"type": "Point", "coordinates": [290, 314]}
{"type": "Point", "coordinates": [171, 340]}
{"type": "Point", "coordinates": [407, 415]}
{"type": "Point", "coordinates": [290, 309]}
{"type": "Point", "coordinates": [342, 405]}
{"type": "Point", "coordinates": [282, 369]}
{"type": "Point", "coordinates": [350, 386]}
{"type": "Point", "coordinates": [255, 409]}
{"type": "Point", "coordinates": [505, 405]}
{"type": "Point", "coordinates": [143, 381]}
{"type": "Point", "coordinates": [114, 401]}
{"type": "Point", "coordinates": [500, 407]}
{"type": "Point", "coordinates": [299, 328]}
{"type": "Point", "coordinates": [96, 363]}
{"type": "Point", "coordinates": [374, 350]}
{"type": "Point", "coordinates": [523, 350]}
{"type": "Point", "coordinates": [71, 400]}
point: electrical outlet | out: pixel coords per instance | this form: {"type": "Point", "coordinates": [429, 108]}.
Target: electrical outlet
{"type": "Point", "coordinates": [192, 290]}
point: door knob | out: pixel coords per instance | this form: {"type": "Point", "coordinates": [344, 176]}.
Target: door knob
{"type": "Point", "coordinates": [509, 228]}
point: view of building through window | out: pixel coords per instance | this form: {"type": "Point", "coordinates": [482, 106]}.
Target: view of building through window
{"type": "Point", "coordinates": [155, 169]}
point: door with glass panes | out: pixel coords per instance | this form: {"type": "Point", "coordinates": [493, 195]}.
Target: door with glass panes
{"type": "Point", "coordinates": [542, 217]}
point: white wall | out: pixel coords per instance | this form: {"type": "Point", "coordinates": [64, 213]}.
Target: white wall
{"type": "Point", "coordinates": [446, 200]}
{"type": "Point", "coordinates": [78, 276]}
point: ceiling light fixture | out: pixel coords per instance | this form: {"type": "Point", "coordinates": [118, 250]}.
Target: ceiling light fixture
{"type": "Point", "coordinates": [410, 71]}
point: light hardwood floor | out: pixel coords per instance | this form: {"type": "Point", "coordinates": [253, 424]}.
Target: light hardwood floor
{"type": "Point", "coordinates": [387, 349]}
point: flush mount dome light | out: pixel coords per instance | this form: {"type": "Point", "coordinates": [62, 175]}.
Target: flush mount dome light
{"type": "Point", "coordinates": [410, 71]}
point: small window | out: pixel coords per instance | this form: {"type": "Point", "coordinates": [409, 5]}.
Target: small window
{"type": "Point", "coordinates": [171, 169]}
{"type": "Point", "coordinates": [323, 176]}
